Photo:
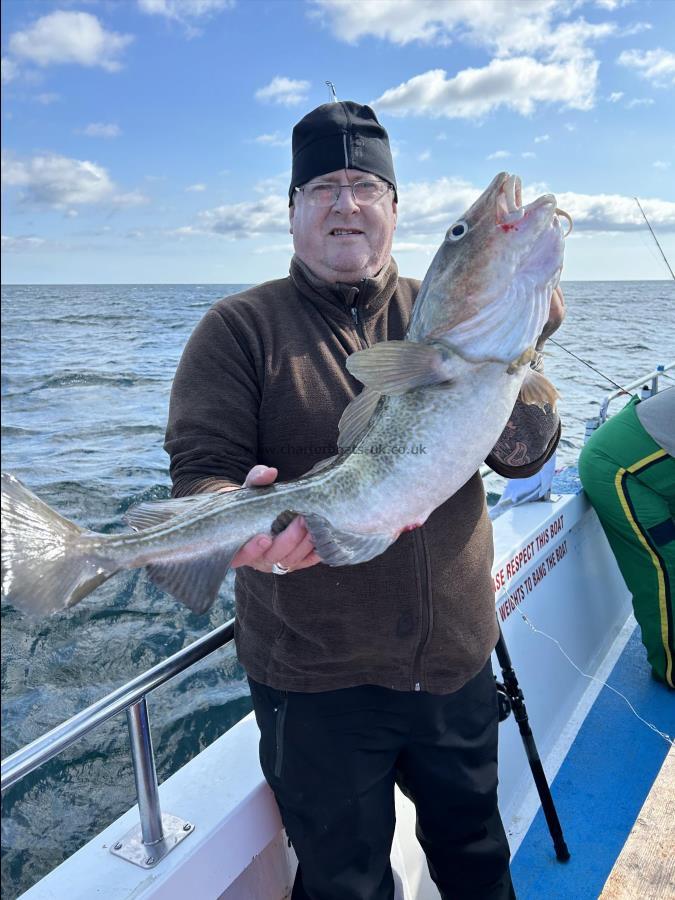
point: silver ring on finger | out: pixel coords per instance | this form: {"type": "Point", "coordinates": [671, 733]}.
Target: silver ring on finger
{"type": "Point", "coordinates": [278, 569]}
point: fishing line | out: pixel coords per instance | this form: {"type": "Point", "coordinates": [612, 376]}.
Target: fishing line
{"type": "Point", "coordinates": [562, 347]}
{"type": "Point", "coordinates": [602, 374]}
{"type": "Point", "coordinates": [655, 237]}
{"type": "Point", "coordinates": [666, 737]}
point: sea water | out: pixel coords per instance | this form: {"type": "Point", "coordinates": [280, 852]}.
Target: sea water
{"type": "Point", "coordinates": [86, 377]}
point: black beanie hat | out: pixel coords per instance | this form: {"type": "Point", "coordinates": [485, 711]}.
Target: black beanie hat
{"type": "Point", "coordinates": [340, 135]}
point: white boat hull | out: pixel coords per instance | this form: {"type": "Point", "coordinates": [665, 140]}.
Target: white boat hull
{"type": "Point", "coordinates": [566, 583]}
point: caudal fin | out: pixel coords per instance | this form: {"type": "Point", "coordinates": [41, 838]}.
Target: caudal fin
{"type": "Point", "coordinates": [45, 562]}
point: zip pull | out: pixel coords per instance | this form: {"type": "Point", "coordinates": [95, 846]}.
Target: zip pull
{"type": "Point", "coordinates": [355, 313]}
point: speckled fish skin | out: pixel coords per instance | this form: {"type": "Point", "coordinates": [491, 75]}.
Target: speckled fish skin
{"type": "Point", "coordinates": [439, 402]}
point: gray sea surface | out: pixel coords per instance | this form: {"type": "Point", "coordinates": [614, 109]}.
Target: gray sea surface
{"type": "Point", "coordinates": [86, 376]}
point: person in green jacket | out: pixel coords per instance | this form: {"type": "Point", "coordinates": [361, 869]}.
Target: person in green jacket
{"type": "Point", "coordinates": [628, 473]}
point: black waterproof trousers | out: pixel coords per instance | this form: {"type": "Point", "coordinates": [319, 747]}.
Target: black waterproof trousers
{"type": "Point", "coordinates": [332, 759]}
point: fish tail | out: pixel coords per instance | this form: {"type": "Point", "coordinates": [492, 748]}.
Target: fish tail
{"type": "Point", "coordinates": [46, 563]}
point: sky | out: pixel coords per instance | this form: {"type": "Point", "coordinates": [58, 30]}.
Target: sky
{"type": "Point", "coordinates": [148, 141]}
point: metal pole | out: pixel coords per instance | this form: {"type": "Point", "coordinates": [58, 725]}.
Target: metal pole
{"type": "Point", "coordinates": [517, 701]}
{"type": "Point", "coordinates": [144, 772]}
{"type": "Point", "coordinates": [655, 380]}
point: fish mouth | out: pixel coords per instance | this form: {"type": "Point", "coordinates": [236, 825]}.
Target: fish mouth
{"type": "Point", "coordinates": [510, 208]}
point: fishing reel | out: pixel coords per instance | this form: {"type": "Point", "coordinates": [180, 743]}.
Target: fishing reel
{"type": "Point", "coordinates": [503, 701]}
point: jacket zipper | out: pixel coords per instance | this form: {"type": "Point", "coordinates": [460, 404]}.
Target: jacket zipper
{"type": "Point", "coordinates": [280, 720]}
{"type": "Point", "coordinates": [358, 324]}
{"type": "Point", "coordinates": [426, 608]}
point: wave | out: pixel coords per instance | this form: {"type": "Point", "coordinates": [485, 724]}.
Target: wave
{"type": "Point", "coordinates": [16, 431]}
{"type": "Point", "coordinates": [93, 379]}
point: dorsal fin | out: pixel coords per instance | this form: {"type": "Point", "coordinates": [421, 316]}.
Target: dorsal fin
{"type": "Point", "coordinates": [154, 512]}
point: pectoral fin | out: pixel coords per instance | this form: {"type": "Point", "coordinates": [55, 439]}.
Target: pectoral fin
{"type": "Point", "coordinates": [537, 390]}
{"type": "Point", "coordinates": [394, 367]}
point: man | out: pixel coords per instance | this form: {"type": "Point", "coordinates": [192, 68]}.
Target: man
{"type": "Point", "coordinates": [361, 676]}
{"type": "Point", "coordinates": [627, 469]}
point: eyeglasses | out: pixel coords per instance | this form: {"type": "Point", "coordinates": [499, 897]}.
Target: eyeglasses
{"type": "Point", "coordinates": [324, 193]}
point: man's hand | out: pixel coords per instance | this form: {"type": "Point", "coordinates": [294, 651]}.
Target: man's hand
{"type": "Point", "coordinates": [555, 318]}
{"type": "Point", "coordinates": [291, 548]}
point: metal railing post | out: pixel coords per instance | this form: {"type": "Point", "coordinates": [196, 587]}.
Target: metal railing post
{"type": "Point", "coordinates": [158, 833]}
{"type": "Point", "coordinates": [655, 379]}
{"type": "Point", "coordinates": [145, 773]}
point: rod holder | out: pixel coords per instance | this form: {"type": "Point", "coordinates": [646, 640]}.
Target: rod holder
{"type": "Point", "coordinates": [158, 834]}
{"type": "Point", "coordinates": [145, 773]}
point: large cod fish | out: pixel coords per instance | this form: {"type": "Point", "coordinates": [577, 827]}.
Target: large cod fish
{"type": "Point", "coordinates": [450, 386]}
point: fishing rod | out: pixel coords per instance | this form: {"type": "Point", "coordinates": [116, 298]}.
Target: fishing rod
{"type": "Point", "coordinates": [512, 700]}
{"type": "Point", "coordinates": [655, 238]}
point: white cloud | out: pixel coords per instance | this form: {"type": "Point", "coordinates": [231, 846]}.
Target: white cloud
{"type": "Point", "coordinates": [639, 101]}
{"type": "Point", "coordinates": [615, 96]}
{"type": "Point", "coordinates": [181, 10]}
{"type": "Point", "coordinates": [70, 37]}
{"type": "Point", "coordinates": [274, 248]}
{"type": "Point", "coordinates": [499, 154]}
{"type": "Point", "coordinates": [268, 215]}
{"type": "Point", "coordinates": [284, 91]}
{"type": "Point", "coordinates": [273, 140]}
{"type": "Point", "coordinates": [102, 130]}
{"type": "Point", "coordinates": [503, 26]}
{"type": "Point", "coordinates": [413, 247]}
{"type": "Point", "coordinates": [528, 154]}
{"type": "Point", "coordinates": [47, 98]}
{"type": "Point", "coordinates": [8, 69]}
{"type": "Point", "coordinates": [185, 12]}
{"type": "Point", "coordinates": [424, 156]}
{"type": "Point", "coordinates": [196, 188]}
{"type": "Point", "coordinates": [518, 84]}
{"type": "Point", "coordinates": [656, 66]}
{"type": "Point", "coordinates": [661, 164]}
{"type": "Point", "coordinates": [21, 243]}
{"type": "Point", "coordinates": [542, 55]}
{"type": "Point", "coordinates": [274, 184]}
{"type": "Point", "coordinates": [614, 212]}
{"type": "Point", "coordinates": [58, 182]}
{"type": "Point", "coordinates": [542, 138]}
{"type": "Point", "coordinates": [570, 126]}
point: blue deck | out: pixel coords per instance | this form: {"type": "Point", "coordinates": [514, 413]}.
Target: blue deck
{"type": "Point", "coordinates": [601, 785]}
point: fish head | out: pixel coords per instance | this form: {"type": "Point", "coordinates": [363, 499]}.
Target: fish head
{"type": "Point", "coordinates": [488, 290]}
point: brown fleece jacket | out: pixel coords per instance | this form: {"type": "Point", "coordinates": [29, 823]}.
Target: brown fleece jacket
{"type": "Point", "coordinates": [263, 380]}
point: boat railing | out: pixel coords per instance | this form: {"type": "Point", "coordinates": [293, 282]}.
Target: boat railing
{"type": "Point", "coordinates": [158, 833]}
{"type": "Point", "coordinates": [649, 385]}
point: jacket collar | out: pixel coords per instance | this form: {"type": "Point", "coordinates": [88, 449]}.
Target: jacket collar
{"type": "Point", "coordinates": [370, 294]}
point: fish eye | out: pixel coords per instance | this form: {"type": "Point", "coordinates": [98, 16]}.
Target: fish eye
{"type": "Point", "coordinates": [457, 231]}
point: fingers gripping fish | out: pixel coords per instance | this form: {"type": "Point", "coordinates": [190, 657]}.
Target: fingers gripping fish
{"type": "Point", "coordinates": [450, 386]}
